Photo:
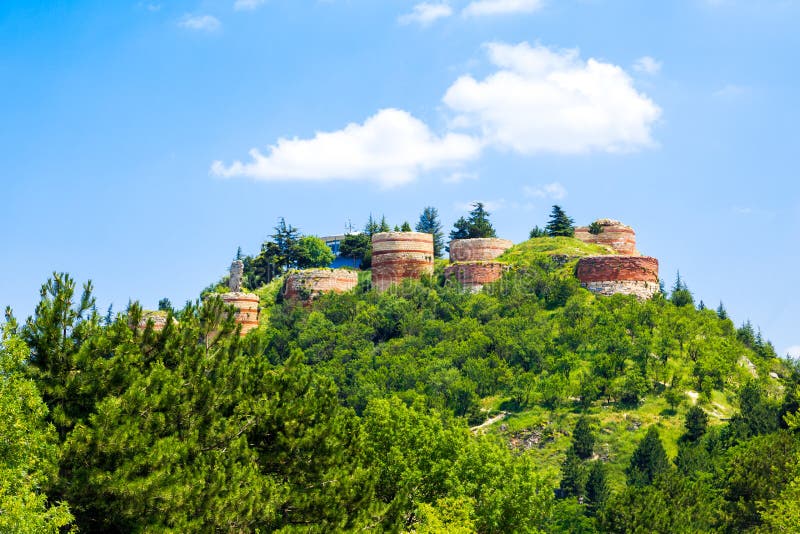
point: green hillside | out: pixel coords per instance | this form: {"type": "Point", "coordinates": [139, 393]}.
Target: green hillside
{"type": "Point", "coordinates": [532, 406]}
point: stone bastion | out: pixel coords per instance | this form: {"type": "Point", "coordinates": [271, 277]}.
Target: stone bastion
{"type": "Point", "coordinates": [472, 261]}
{"type": "Point", "coordinates": [246, 305]}
{"type": "Point", "coordinates": [615, 235]}
{"type": "Point", "coordinates": [309, 284]}
{"type": "Point", "coordinates": [400, 255]}
{"type": "Point", "coordinates": [627, 275]}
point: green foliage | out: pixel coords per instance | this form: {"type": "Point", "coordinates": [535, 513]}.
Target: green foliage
{"type": "Point", "coordinates": [696, 423]}
{"type": "Point", "coordinates": [649, 460]}
{"type": "Point", "coordinates": [583, 438]}
{"type": "Point", "coordinates": [573, 475]}
{"type": "Point", "coordinates": [681, 296]}
{"type": "Point", "coordinates": [313, 252]}
{"type": "Point", "coordinates": [537, 232]}
{"type": "Point", "coordinates": [560, 225]}
{"type": "Point", "coordinates": [429, 223]}
{"type": "Point", "coordinates": [595, 228]}
{"type": "Point", "coordinates": [475, 226]}
{"type": "Point", "coordinates": [357, 247]}
{"type": "Point", "coordinates": [28, 449]}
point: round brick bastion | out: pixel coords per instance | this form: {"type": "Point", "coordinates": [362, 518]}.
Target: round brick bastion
{"type": "Point", "coordinates": [397, 256]}
{"type": "Point", "coordinates": [311, 283]}
{"type": "Point", "coordinates": [478, 249]}
{"type": "Point", "coordinates": [472, 261]}
{"type": "Point", "coordinates": [246, 305]}
{"type": "Point", "coordinates": [626, 275]}
{"type": "Point", "coordinates": [615, 235]}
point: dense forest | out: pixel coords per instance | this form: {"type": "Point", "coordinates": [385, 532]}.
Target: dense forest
{"type": "Point", "coordinates": [532, 406]}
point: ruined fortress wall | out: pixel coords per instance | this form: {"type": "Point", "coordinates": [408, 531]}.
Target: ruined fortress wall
{"type": "Point", "coordinates": [617, 236]}
{"type": "Point", "coordinates": [627, 275]}
{"type": "Point", "coordinates": [400, 255]}
{"type": "Point", "coordinates": [309, 284]}
{"type": "Point", "coordinates": [246, 305]}
{"type": "Point", "coordinates": [474, 275]}
{"type": "Point", "coordinates": [478, 249]}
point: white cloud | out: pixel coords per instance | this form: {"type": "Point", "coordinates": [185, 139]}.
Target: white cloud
{"type": "Point", "coordinates": [426, 13]}
{"type": "Point", "coordinates": [458, 177]}
{"type": "Point", "coordinates": [206, 23]}
{"type": "Point", "coordinates": [648, 65]}
{"type": "Point", "coordinates": [793, 352]}
{"type": "Point", "coordinates": [479, 8]}
{"type": "Point", "coordinates": [553, 190]}
{"type": "Point", "coordinates": [543, 100]}
{"type": "Point", "coordinates": [247, 5]}
{"type": "Point", "coordinates": [149, 6]}
{"type": "Point", "coordinates": [391, 147]}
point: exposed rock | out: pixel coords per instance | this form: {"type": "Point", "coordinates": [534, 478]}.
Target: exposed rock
{"type": "Point", "coordinates": [400, 255]}
{"type": "Point", "coordinates": [158, 318]}
{"type": "Point", "coordinates": [237, 273]}
{"type": "Point", "coordinates": [311, 283]}
{"type": "Point", "coordinates": [615, 235]}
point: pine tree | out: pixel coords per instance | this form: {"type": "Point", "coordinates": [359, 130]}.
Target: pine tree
{"type": "Point", "coordinates": [384, 226]}
{"type": "Point", "coordinates": [429, 223]}
{"type": "Point", "coordinates": [164, 304]}
{"type": "Point", "coordinates": [681, 296]}
{"type": "Point", "coordinates": [583, 438]}
{"type": "Point", "coordinates": [286, 239]}
{"type": "Point", "coordinates": [406, 227]}
{"type": "Point", "coordinates": [648, 461]}
{"type": "Point", "coordinates": [597, 487]}
{"type": "Point", "coordinates": [722, 313]}
{"type": "Point", "coordinates": [479, 225]}
{"type": "Point", "coordinates": [460, 229]}
{"type": "Point", "coordinates": [696, 423]}
{"type": "Point", "coordinates": [573, 475]}
{"type": "Point", "coordinates": [560, 224]}
{"type": "Point", "coordinates": [536, 232]}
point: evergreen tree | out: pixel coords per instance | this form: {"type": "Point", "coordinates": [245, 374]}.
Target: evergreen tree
{"type": "Point", "coordinates": [560, 224]}
{"type": "Point", "coordinates": [406, 227]}
{"type": "Point", "coordinates": [648, 461]}
{"type": "Point", "coordinates": [164, 304]}
{"type": "Point", "coordinates": [722, 313]}
{"type": "Point", "coordinates": [479, 225]}
{"type": "Point", "coordinates": [583, 438]}
{"type": "Point", "coordinates": [286, 239]}
{"type": "Point", "coordinates": [696, 423]}
{"type": "Point", "coordinates": [372, 226]}
{"type": "Point", "coordinates": [597, 487]}
{"type": "Point", "coordinates": [384, 225]}
{"type": "Point", "coordinates": [681, 296]}
{"type": "Point", "coordinates": [460, 229]}
{"type": "Point", "coordinates": [537, 232]}
{"type": "Point", "coordinates": [573, 475]}
{"type": "Point", "coordinates": [429, 224]}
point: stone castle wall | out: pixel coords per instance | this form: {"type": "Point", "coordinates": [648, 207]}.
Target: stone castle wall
{"type": "Point", "coordinates": [400, 255]}
{"type": "Point", "coordinates": [310, 283]}
{"type": "Point", "coordinates": [628, 275]}
{"type": "Point", "coordinates": [615, 235]}
{"type": "Point", "coordinates": [474, 275]}
{"type": "Point", "coordinates": [478, 249]}
{"type": "Point", "coordinates": [246, 305]}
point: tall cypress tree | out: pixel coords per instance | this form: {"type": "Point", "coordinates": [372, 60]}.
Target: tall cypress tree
{"type": "Point", "coordinates": [429, 223]}
{"type": "Point", "coordinates": [560, 225]}
{"type": "Point", "coordinates": [583, 438]}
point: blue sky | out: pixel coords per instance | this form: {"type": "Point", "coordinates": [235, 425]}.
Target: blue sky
{"type": "Point", "coordinates": [127, 130]}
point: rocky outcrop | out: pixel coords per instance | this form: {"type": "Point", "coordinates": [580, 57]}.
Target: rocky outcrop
{"type": "Point", "coordinates": [478, 249]}
{"type": "Point", "coordinates": [613, 234]}
{"type": "Point", "coordinates": [475, 274]}
{"type": "Point", "coordinates": [246, 305]}
{"type": "Point", "coordinates": [309, 284]}
{"type": "Point", "coordinates": [627, 275]}
{"type": "Point", "coordinates": [158, 318]}
{"type": "Point", "coordinates": [237, 273]}
{"type": "Point", "coordinates": [397, 256]}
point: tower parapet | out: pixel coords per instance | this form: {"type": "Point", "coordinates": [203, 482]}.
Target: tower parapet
{"type": "Point", "coordinates": [626, 275]}
{"type": "Point", "coordinates": [612, 234]}
{"type": "Point", "coordinates": [397, 256]}
{"type": "Point", "coordinates": [311, 283]}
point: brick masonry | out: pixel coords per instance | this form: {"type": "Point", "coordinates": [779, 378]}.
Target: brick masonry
{"type": "Point", "coordinates": [246, 305]}
{"type": "Point", "coordinates": [397, 256]}
{"type": "Point", "coordinates": [628, 275]}
{"type": "Point", "coordinates": [478, 249]}
{"type": "Point", "coordinates": [474, 275]}
{"type": "Point", "coordinates": [309, 284]}
{"type": "Point", "coordinates": [615, 235]}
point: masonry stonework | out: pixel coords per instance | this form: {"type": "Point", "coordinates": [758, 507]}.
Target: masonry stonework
{"type": "Point", "coordinates": [400, 255]}
{"type": "Point", "coordinates": [246, 305]}
{"type": "Point", "coordinates": [478, 249]}
{"type": "Point", "coordinates": [311, 283]}
{"type": "Point", "coordinates": [476, 274]}
{"type": "Point", "coordinates": [628, 275]}
{"type": "Point", "coordinates": [615, 235]}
